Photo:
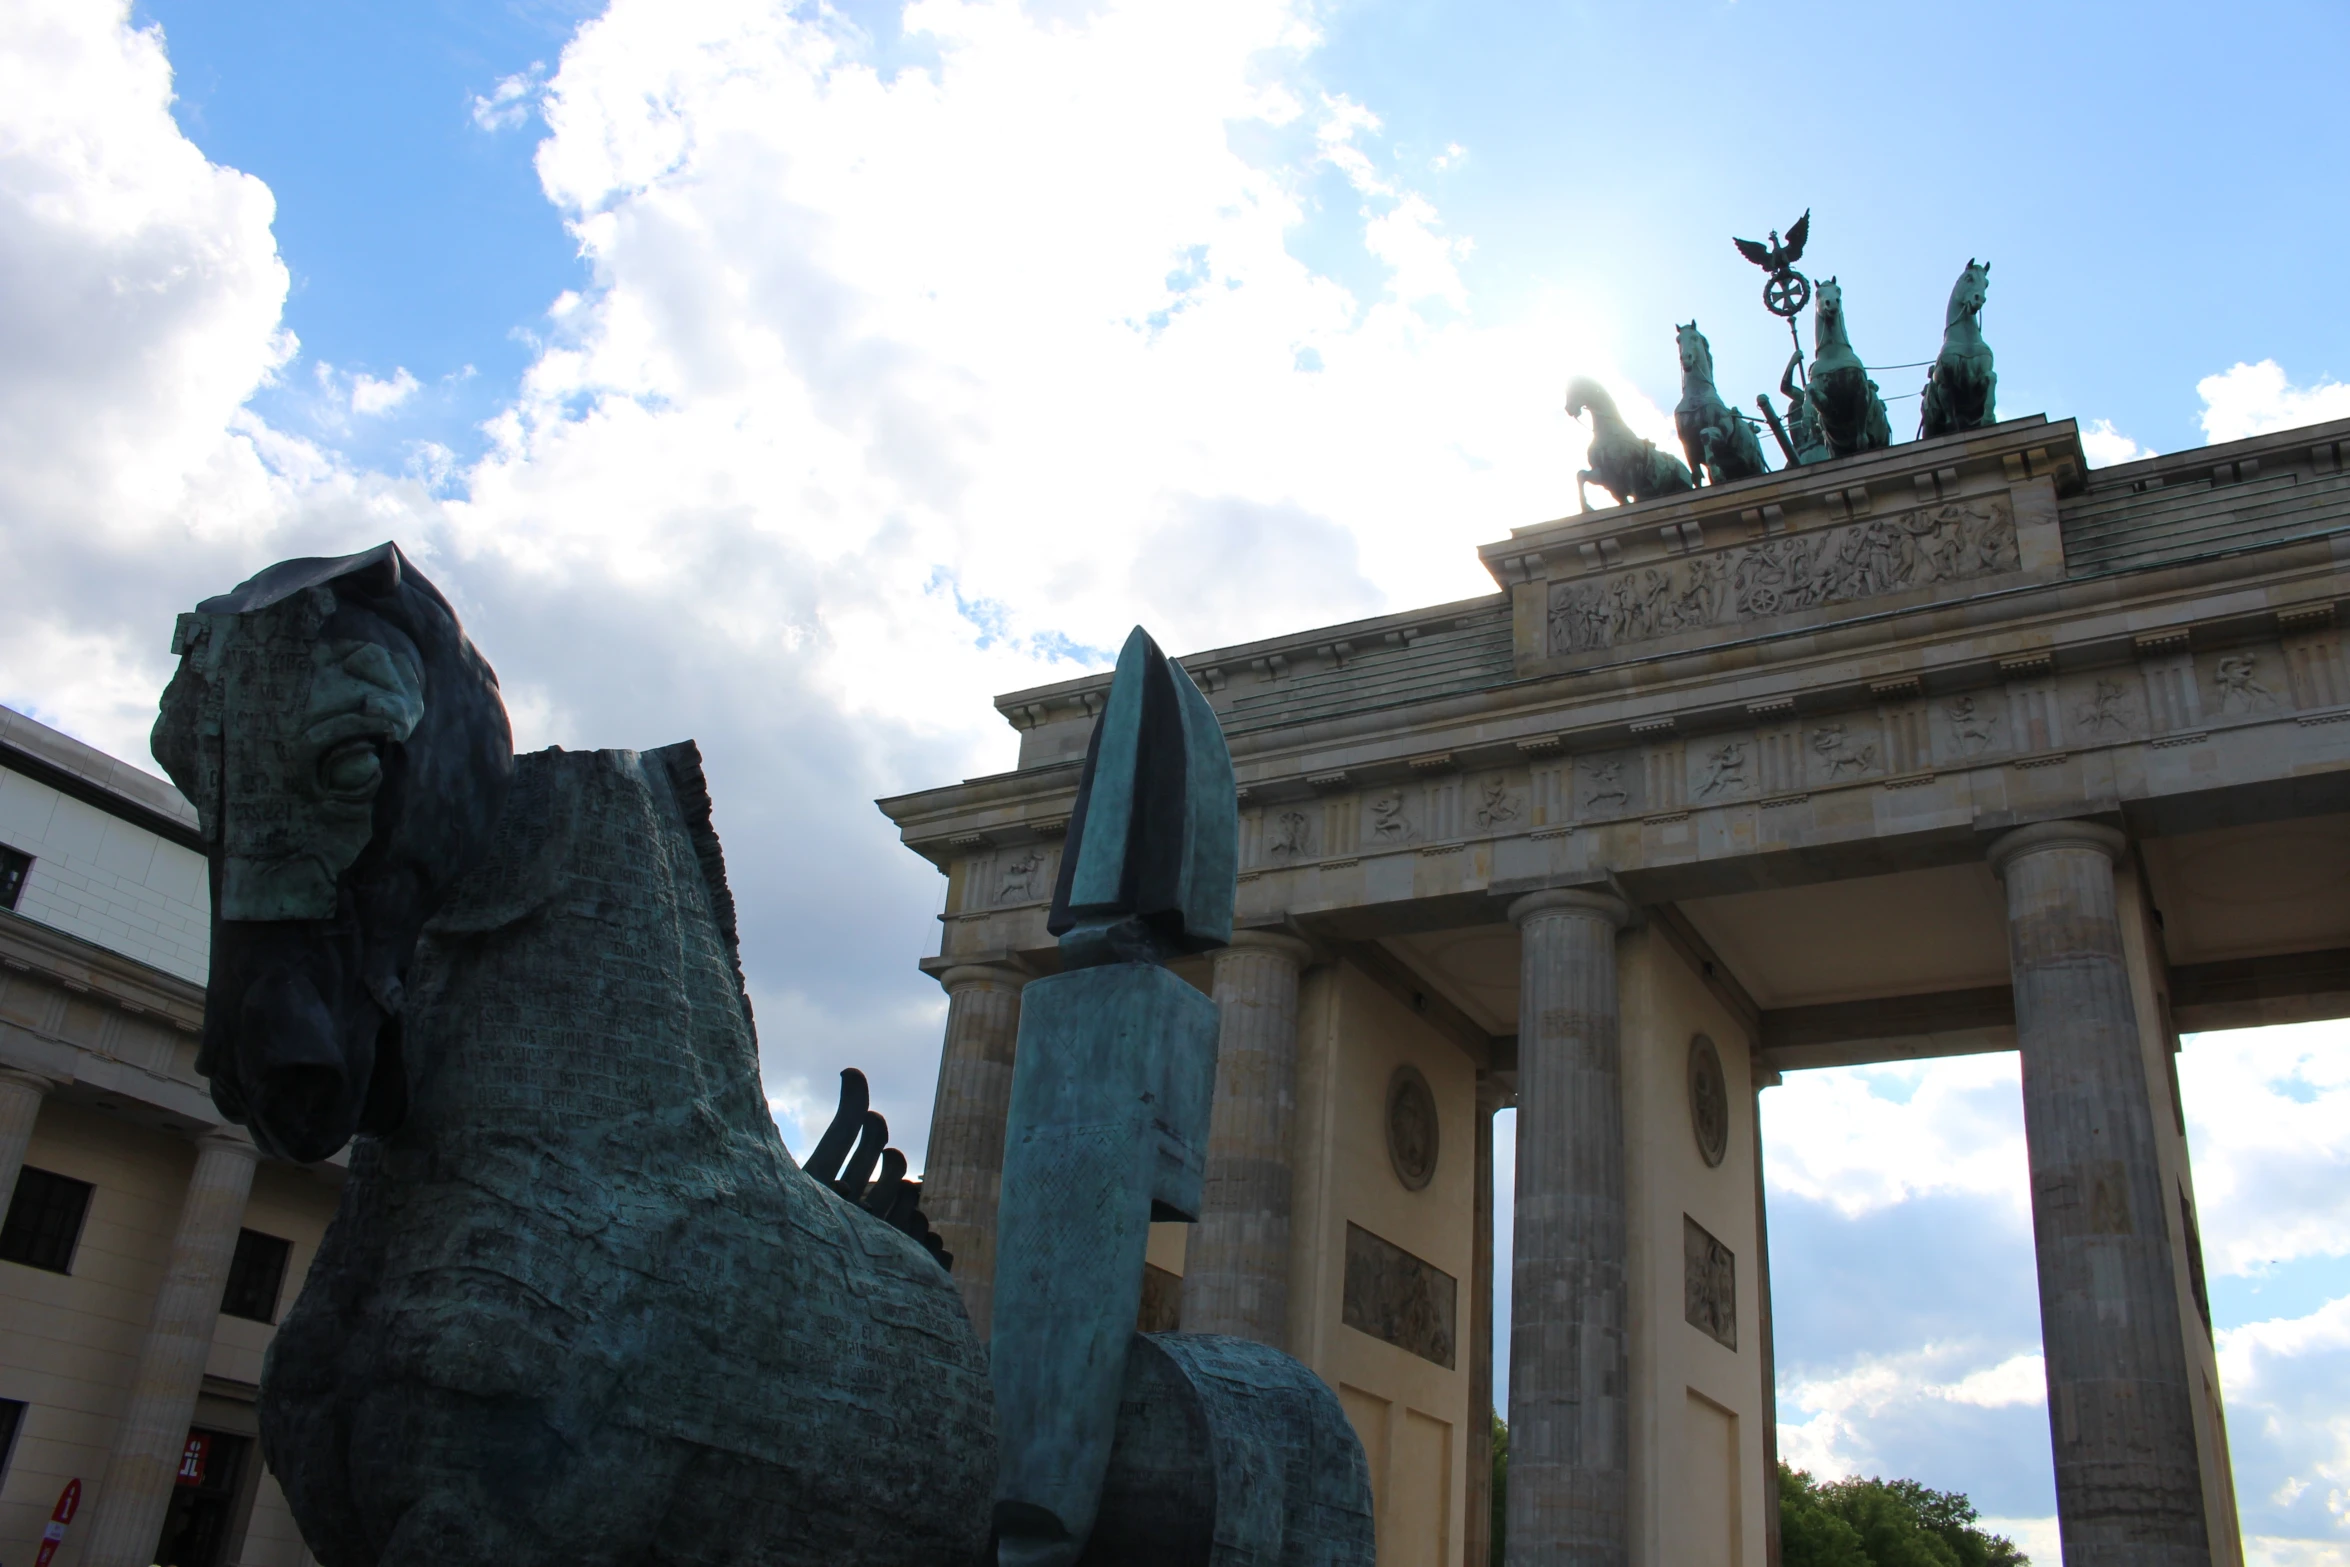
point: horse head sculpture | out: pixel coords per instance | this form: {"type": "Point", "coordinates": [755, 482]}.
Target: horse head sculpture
{"type": "Point", "coordinates": [1961, 391]}
{"type": "Point", "coordinates": [348, 756]}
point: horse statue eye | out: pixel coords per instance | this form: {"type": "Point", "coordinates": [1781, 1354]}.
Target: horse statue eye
{"type": "Point", "coordinates": [350, 771]}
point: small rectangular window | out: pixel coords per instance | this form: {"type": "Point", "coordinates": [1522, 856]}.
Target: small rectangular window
{"type": "Point", "coordinates": [255, 1276]}
{"type": "Point", "coordinates": [13, 865]}
{"type": "Point", "coordinates": [11, 1422]}
{"type": "Point", "coordinates": [44, 1221]}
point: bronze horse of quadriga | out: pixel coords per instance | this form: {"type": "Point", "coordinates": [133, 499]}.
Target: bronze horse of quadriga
{"type": "Point", "coordinates": [1627, 466]}
{"type": "Point", "coordinates": [1851, 415]}
{"type": "Point", "coordinates": [1962, 388]}
{"type": "Point", "coordinates": [1718, 442]}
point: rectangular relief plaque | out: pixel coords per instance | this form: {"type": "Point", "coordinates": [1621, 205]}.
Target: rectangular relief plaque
{"type": "Point", "coordinates": [1395, 1296]}
{"type": "Point", "coordinates": [1710, 1284]}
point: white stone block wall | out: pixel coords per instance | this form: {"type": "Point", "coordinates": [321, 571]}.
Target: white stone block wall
{"type": "Point", "coordinates": [106, 880]}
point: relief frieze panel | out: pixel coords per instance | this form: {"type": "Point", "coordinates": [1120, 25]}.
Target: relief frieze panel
{"type": "Point", "coordinates": [1957, 542]}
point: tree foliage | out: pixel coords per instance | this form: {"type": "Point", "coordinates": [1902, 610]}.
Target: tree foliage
{"type": "Point", "coordinates": [1882, 1523]}
{"type": "Point", "coordinates": [1501, 1488]}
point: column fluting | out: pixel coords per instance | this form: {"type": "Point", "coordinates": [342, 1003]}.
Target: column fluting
{"type": "Point", "coordinates": [1236, 1262]}
{"type": "Point", "coordinates": [2128, 1483]}
{"type": "Point", "coordinates": [1570, 1414]}
{"type": "Point", "coordinates": [144, 1461]}
{"type": "Point", "coordinates": [963, 1172]}
{"type": "Point", "coordinates": [21, 1094]}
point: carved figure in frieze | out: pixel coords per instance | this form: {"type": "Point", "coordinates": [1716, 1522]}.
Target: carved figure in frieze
{"type": "Point", "coordinates": [1716, 439]}
{"type": "Point", "coordinates": [1970, 724]}
{"type": "Point", "coordinates": [1605, 789]}
{"type": "Point", "coordinates": [1851, 414]}
{"type": "Point", "coordinates": [1388, 821]}
{"type": "Point", "coordinates": [1290, 836]}
{"type": "Point", "coordinates": [1627, 466]}
{"type": "Point", "coordinates": [2240, 691]}
{"type": "Point", "coordinates": [1020, 878]}
{"type": "Point", "coordinates": [1834, 746]}
{"type": "Point", "coordinates": [1962, 388]}
{"type": "Point", "coordinates": [1778, 576]}
{"type": "Point", "coordinates": [1725, 771]}
{"type": "Point", "coordinates": [1497, 806]}
{"type": "Point", "coordinates": [2106, 710]}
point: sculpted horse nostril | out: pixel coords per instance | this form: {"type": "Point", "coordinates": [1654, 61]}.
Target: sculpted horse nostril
{"type": "Point", "coordinates": [299, 1085]}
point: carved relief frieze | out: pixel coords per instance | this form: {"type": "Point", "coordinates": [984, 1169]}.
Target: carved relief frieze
{"type": "Point", "coordinates": [2103, 709]}
{"type": "Point", "coordinates": [1726, 771]}
{"type": "Point", "coordinates": [1289, 834]}
{"type": "Point", "coordinates": [1500, 807]}
{"type": "Point", "coordinates": [1972, 726]}
{"type": "Point", "coordinates": [1605, 783]}
{"type": "Point", "coordinates": [1022, 878]}
{"type": "Point", "coordinates": [1709, 1284]}
{"type": "Point", "coordinates": [1781, 575]}
{"type": "Point", "coordinates": [1387, 818]}
{"type": "Point", "coordinates": [1843, 750]}
{"type": "Point", "coordinates": [2240, 685]}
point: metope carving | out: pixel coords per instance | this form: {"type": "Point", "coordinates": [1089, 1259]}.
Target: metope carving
{"type": "Point", "coordinates": [1725, 771]}
{"type": "Point", "coordinates": [2106, 711]}
{"type": "Point", "coordinates": [1023, 879]}
{"type": "Point", "coordinates": [1841, 754]}
{"type": "Point", "coordinates": [1390, 823]}
{"type": "Point", "coordinates": [1497, 804]}
{"type": "Point", "coordinates": [1970, 724]}
{"type": "Point", "coordinates": [1603, 785]}
{"type": "Point", "coordinates": [1291, 836]}
{"type": "Point", "coordinates": [1709, 1284]}
{"type": "Point", "coordinates": [2240, 690]}
{"type": "Point", "coordinates": [1777, 576]}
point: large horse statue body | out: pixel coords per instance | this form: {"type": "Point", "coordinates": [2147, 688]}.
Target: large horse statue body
{"type": "Point", "coordinates": [1717, 441]}
{"type": "Point", "coordinates": [1627, 466]}
{"type": "Point", "coordinates": [1962, 389]}
{"type": "Point", "coordinates": [1851, 415]}
{"type": "Point", "coordinates": [578, 1306]}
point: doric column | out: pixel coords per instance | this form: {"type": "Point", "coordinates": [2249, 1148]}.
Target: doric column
{"type": "Point", "coordinates": [2128, 1486]}
{"type": "Point", "coordinates": [154, 1431]}
{"type": "Point", "coordinates": [1570, 1412]}
{"type": "Point", "coordinates": [1766, 1076]}
{"type": "Point", "coordinates": [1477, 1526]}
{"type": "Point", "coordinates": [963, 1173]}
{"type": "Point", "coordinates": [1236, 1263]}
{"type": "Point", "coordinates": [21, 1094]}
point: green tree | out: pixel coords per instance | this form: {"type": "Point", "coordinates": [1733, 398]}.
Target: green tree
{"type": "Point", "coordinates": [1882, 1523]}
{"type": "Point", "coordinates": [1501, 1487]}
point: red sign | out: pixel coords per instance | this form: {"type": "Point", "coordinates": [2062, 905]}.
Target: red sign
{"type": "Point", "coordinates": [194, 1457]}
{"type": "Point", "coordinates": [69, 1502]}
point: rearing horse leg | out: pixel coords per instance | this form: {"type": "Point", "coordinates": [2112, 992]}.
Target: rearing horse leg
{"type": "Point", "coordinates": [1582, 496]}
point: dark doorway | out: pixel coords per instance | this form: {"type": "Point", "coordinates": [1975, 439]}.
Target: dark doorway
{"type": "Point", "coordinates": [205, 1501]}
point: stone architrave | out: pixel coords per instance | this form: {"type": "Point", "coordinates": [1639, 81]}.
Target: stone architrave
{"type": "Point", "coordinates": [2128, 1483]}
{"type": "Point", "coordinates": [963, 1173]}
{"type": "Point", "coordinates": [21, 1094]}
{"type": "Point", "coordinates": [148, 1444]}
{"type": "Point", "coordinates": [1570, 1411]}
{"type": "Point", "coordinates": [1236, 1266]}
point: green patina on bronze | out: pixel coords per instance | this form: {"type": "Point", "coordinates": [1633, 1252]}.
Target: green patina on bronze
{"type": "Point", "coordinates": [1962, 388]}
{"type": "Point", "coordinates": [1843, 398]}
{"type": "Point", "coordinates": [1717, 441]}
{"type": "Point", "coordinates": [1627, 466]}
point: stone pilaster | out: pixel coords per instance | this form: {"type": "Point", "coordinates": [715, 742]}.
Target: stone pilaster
{"type": "Point", "coordinates": [1570, 1373]}
{"type": "Point", "coordinates": [153, 1432]}
{"type": "Point", "coordinates": [1236, 1265]}
{"type": "Point", "coordinates": [2128, 1485]}
{"type": "Point", "coordinates": [21, 1094]}
{"type": "Point", "coordinates": [963, 1173]}
{"type": "Point", "coordinates": [1477, 1526]}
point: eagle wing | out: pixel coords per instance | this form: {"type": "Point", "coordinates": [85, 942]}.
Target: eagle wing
{"type": "Point", "coordinates": [1796, 234]}
{"type": "Point", "coordinates": [1753, 251]}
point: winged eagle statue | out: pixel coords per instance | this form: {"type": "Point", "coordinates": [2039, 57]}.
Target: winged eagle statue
{"type": "Point", "coordinates": [1788, 290]}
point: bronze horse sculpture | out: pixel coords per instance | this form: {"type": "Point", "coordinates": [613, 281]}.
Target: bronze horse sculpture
{"type": "Point", "coordinates": [1627, 466]}
{"type": "Point", "coordinates": [1843, 399]}
{"type": "Point", "coordinates": [1719, 443]}
{"type": "Point", "coordinates": [578, 1306]}
{"type": "Point", "coordinates": [1962, 389]}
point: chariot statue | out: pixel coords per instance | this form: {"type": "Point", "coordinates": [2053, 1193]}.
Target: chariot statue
{"type": "Point", "coordinates": [1961, 388]}
{"type": "Point", "coordinates": [1629, 467]}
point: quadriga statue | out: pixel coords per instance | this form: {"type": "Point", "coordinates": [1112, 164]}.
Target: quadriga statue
{"type": "Point", "coordinates": [578, 1306]}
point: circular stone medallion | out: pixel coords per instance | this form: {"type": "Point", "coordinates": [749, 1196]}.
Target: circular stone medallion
{"type": "Point", "coordinates": [1411, 1128]}
{"type": "Point", "coordinates": [1709, 1100]}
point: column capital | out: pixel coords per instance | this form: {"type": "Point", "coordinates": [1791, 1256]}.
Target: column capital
{"type": "Point", "coordinates": [226, 1139]}
{"type": "Point", "coordinates": [970, 976]}
{"type": "Point", "coordinates": [2068, 834]}
{"type": "Point", "coordinates": [1299, 953]}
{"type": "Point", "coordinates": [18, 1077]}
{"type": "Point", "coordinates": [1572, 900]}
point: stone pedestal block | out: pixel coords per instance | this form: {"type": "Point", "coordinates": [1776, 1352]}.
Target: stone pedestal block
{"type": "Point", "coordinates": [2128, 1483]}
{"type": "Point", "coordinates": [153, 1434]}
{"type": "Point", "coordinates": [962, 1174]}
{"type": "Point", "coordinates": [1570, 1414]}
{"type": "Point", "coordinates": [1236, 1265]}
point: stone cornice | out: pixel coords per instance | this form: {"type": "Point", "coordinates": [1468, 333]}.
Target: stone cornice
{"type": "Point", "coordinates": [84, 967]}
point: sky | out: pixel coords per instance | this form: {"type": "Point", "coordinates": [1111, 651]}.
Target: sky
{"type": "Point", "coordinates": [795, 379]}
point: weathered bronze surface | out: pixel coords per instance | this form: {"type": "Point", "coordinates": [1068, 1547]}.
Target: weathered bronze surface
{"type": "Point", "coordinates": [1627, 466]}
{"type": "Point", "coordinates": [1717, 440]}
{"type": "Point", "coordinates": [1851, 415]}
{"type": "Point", "coordinates": [1962, 388]}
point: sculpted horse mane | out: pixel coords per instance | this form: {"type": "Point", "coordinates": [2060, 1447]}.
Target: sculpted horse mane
{"type": "Point", "coordinates": [1627, 466]}
{"type": "Point", "coordinates": [1961, 388]}
{"type": "Point", "coordinates": [578, 1306]}
{"type": "Point", "coordinates": [1718, 442]}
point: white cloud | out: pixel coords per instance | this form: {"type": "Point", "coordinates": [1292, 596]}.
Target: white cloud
{"type": "Point", "coordinates": [371, 396]}
{"type": "Point", "coordinates": [2268, 1115]}
{"type": "Point", "coordinates": [2104, 445]}
{"type": "Point", "coordinates": [511, 101]}
{"type": "Point", "coordinates": [1862, 1139]}
{"type": "Point", "coordinates": [1834, 1440]}
{"type": "Point", "coordinates": [2254, 399]}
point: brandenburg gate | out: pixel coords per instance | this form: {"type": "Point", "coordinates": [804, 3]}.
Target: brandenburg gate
{"type": "Point", "coordinates": [1950, 747]}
